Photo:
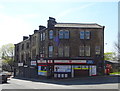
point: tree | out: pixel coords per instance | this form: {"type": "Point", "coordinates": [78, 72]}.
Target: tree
{"type": "Point", "coordinates": [7, 54]}
{"type": "Point", "coordinates": [110, 56]}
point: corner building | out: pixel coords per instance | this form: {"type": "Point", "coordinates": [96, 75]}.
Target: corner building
{"type": "Point", "coordinates": [61, 50]}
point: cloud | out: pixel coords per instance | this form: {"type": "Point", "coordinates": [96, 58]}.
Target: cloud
{"type": "Point", "coordinates": [59, 1]}
{"type": "Point", "coordinates": [12, 29]}
{"type": "Point", "coordinates": [71, 10]}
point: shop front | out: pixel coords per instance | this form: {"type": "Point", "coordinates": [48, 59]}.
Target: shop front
{"type": "Point", "coordinates": [66, 68]}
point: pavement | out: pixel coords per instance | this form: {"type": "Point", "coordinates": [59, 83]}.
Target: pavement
{"type": "Point", "coordinates": [74, 81]}
{"type": "Point", "coordinates": [97, 82]}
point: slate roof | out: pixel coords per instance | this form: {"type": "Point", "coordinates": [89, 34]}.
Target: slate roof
{"type": "Point", "coordinates": [78, 25]}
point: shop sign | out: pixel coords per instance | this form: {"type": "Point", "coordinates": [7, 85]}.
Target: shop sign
{"type": "Point", "coordinates": [41, 72]}
{"type": "Point", "coordinates": [61, 61]}
{"type": "Point", "coordinates": [78, 61]}
{"type": "Point", "coordinates": [62, 68]}
{"type": "Point", "coordinates": [50, 61]}
{"type": "Point", "coordinates": [69, 61]}
{"type": "Point", "coordinates": [25, 66]}
{"type": "Point", "coordinates": [33, 63]}
{"type": "Point", "coordinates": [20, 64]}
{"type": "Point", "coordinates": [90, 62]}
{"type": "Point", "coordinates": [41, 61]}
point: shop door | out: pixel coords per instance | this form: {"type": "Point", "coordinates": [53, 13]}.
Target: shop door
{"type": "Point", "coordinates": [81, 73]}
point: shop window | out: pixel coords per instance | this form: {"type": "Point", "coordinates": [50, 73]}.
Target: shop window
{"type": "Point", "coordinates": [81, 50]}
{"type": "Point", "coordinates": [97, 50]}
{"type": "Point", "coordinates": [87, 35]}
{"type": "Point", "coordinates": [66, 34]}
{"type": "Point", "coordinates": [51, 34]}
{"type": "Point", "coordinates": [50, 51]}
{"type": "Point", "coordinates": [66, 51]}
{"type": "Point", "coordinates": [87, 50]}
{"type": "Point", "coordinates": [82, 35]}
{"type": "Point", "coordinates": [61, 33]}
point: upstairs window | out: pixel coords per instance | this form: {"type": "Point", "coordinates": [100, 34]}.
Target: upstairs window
{"type": "Point", "coordinates": [66, 34]}
{"type": "Point", "coordinates": [81, 50]}
{"type": "Point", "coordinates": [87, 35]}
{"type": "Point", "coordinates": [51, 34]}
{"type": "Point", "coordinates": [61, 33]}
{"type": "Point", "coordinates": [87, 50]}
{"type": "Point", "coordinates": [44, 36]}
{"type": "Point", "coordinates": [50, 51]}
{"type": "Point", "coordinates": [66, 51]}
{"type": "Point", "coordinates": [97, 50]}
{"type": "Point", "coordinates": [41, 36]}
{"type": "Point", "coordinates": [22, 46]}
{"type": "Point", "coordinates": [27, 45]}
{"type": "Point", "coordinates": [82, 35]}
{"type": "Point", "coordinates": [60, 51]}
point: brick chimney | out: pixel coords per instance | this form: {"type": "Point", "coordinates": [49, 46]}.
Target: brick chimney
{"type": "Point", "coordinates": [25, 37]}
{"type": "Point", "coordinates": [51, 22]}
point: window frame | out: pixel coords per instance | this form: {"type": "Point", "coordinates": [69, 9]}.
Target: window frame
{"type": "Point", "coordinates": [50, 53]}
{"type": "Point", "coordinates": [87, 50]}
{"type": "Point", "coordinates": [82, 50]}
{"type": "Point", "coordinates": [61, 34]}
{"type": "Point", "coordinates": [66, 51]}
{"type": "Point", "coordinates": [87, 35]}
{"type": "Point", "coordinates": [66, 34]}
{"type": "Point", "coordinates": [82, 34]}
{"type": "Point", "coordinates": [51, 33]}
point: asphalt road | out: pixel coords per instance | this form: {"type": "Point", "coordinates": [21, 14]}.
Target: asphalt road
{"type": "Point", "coordinates": [108, 82]}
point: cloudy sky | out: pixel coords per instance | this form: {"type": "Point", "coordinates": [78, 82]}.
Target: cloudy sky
{"type": "Point", "coordinates": [22, 17]}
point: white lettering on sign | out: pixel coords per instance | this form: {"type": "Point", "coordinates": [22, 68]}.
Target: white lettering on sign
{"type": "Point", "coordinates": [78, 61]}
{"type": "Point", "coordinates": [41, 61]}
{"type": "Point", "coordinates": [61, 61]}
{"type": "Point", "coordinates": [33, 62]}
{"type": "Point", "coordinates": [69, 61]}
{"type": "Point", "coordinates": [49, 61]}
{"type": "Point", "coordinates": [20, 64]}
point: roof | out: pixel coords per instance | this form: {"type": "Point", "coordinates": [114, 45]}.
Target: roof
{"type": "Point", "coordinates": [79, 25]}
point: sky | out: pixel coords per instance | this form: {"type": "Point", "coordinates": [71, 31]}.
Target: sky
{"type": "Point", "coordinates": [20, 18]}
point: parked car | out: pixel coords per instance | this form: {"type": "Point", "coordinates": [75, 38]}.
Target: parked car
{"type": "Point", "coordinates": [3, 77]}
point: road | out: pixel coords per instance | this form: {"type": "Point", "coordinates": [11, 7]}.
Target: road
{"type": "Point", "coordinates": [81, 83]}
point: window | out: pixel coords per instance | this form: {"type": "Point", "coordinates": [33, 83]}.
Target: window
{"type": "Point", "coordinates": [81, 50]}
{"type": "Point", "coordinates": [50, 51]}
{"type": "Point", "coordinates": [27, 45]}
{"type": "Point", "coordinates": [51, 34]}
{"type": "Point", "coordinates": [66, 51]}
{"type": "Point", "coordinates": [61, 32]}
{"type": "Point", "coordinates": [44, 36]}
{"type": "Point", "coordinates": [17, 47]}
{"type": "Point", "coordinates": [87, 50]}
{"type": "Point", "coordinates": [35, 40]}
{"type": "Point", "coordinates": [97, 50]}
{"type": "Point", "coordinates": [22, 46]}
{"type": "Point", "coordinates": [87, 35]}
{"type": "Point", "coordinates": [60, 51]}
{"type": "Point", "coordinates": [41, 36]}
{"type": "Point", "coordinates": [82, 34]}
{"type": "Point", "coordinates": [66, 34]}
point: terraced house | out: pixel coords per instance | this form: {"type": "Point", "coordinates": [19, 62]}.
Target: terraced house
{"type": "Point", "coordinates": [61, 50]}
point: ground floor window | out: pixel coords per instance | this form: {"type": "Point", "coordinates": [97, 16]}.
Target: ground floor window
{"type": "Point", "coordinates": [42, 70]}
